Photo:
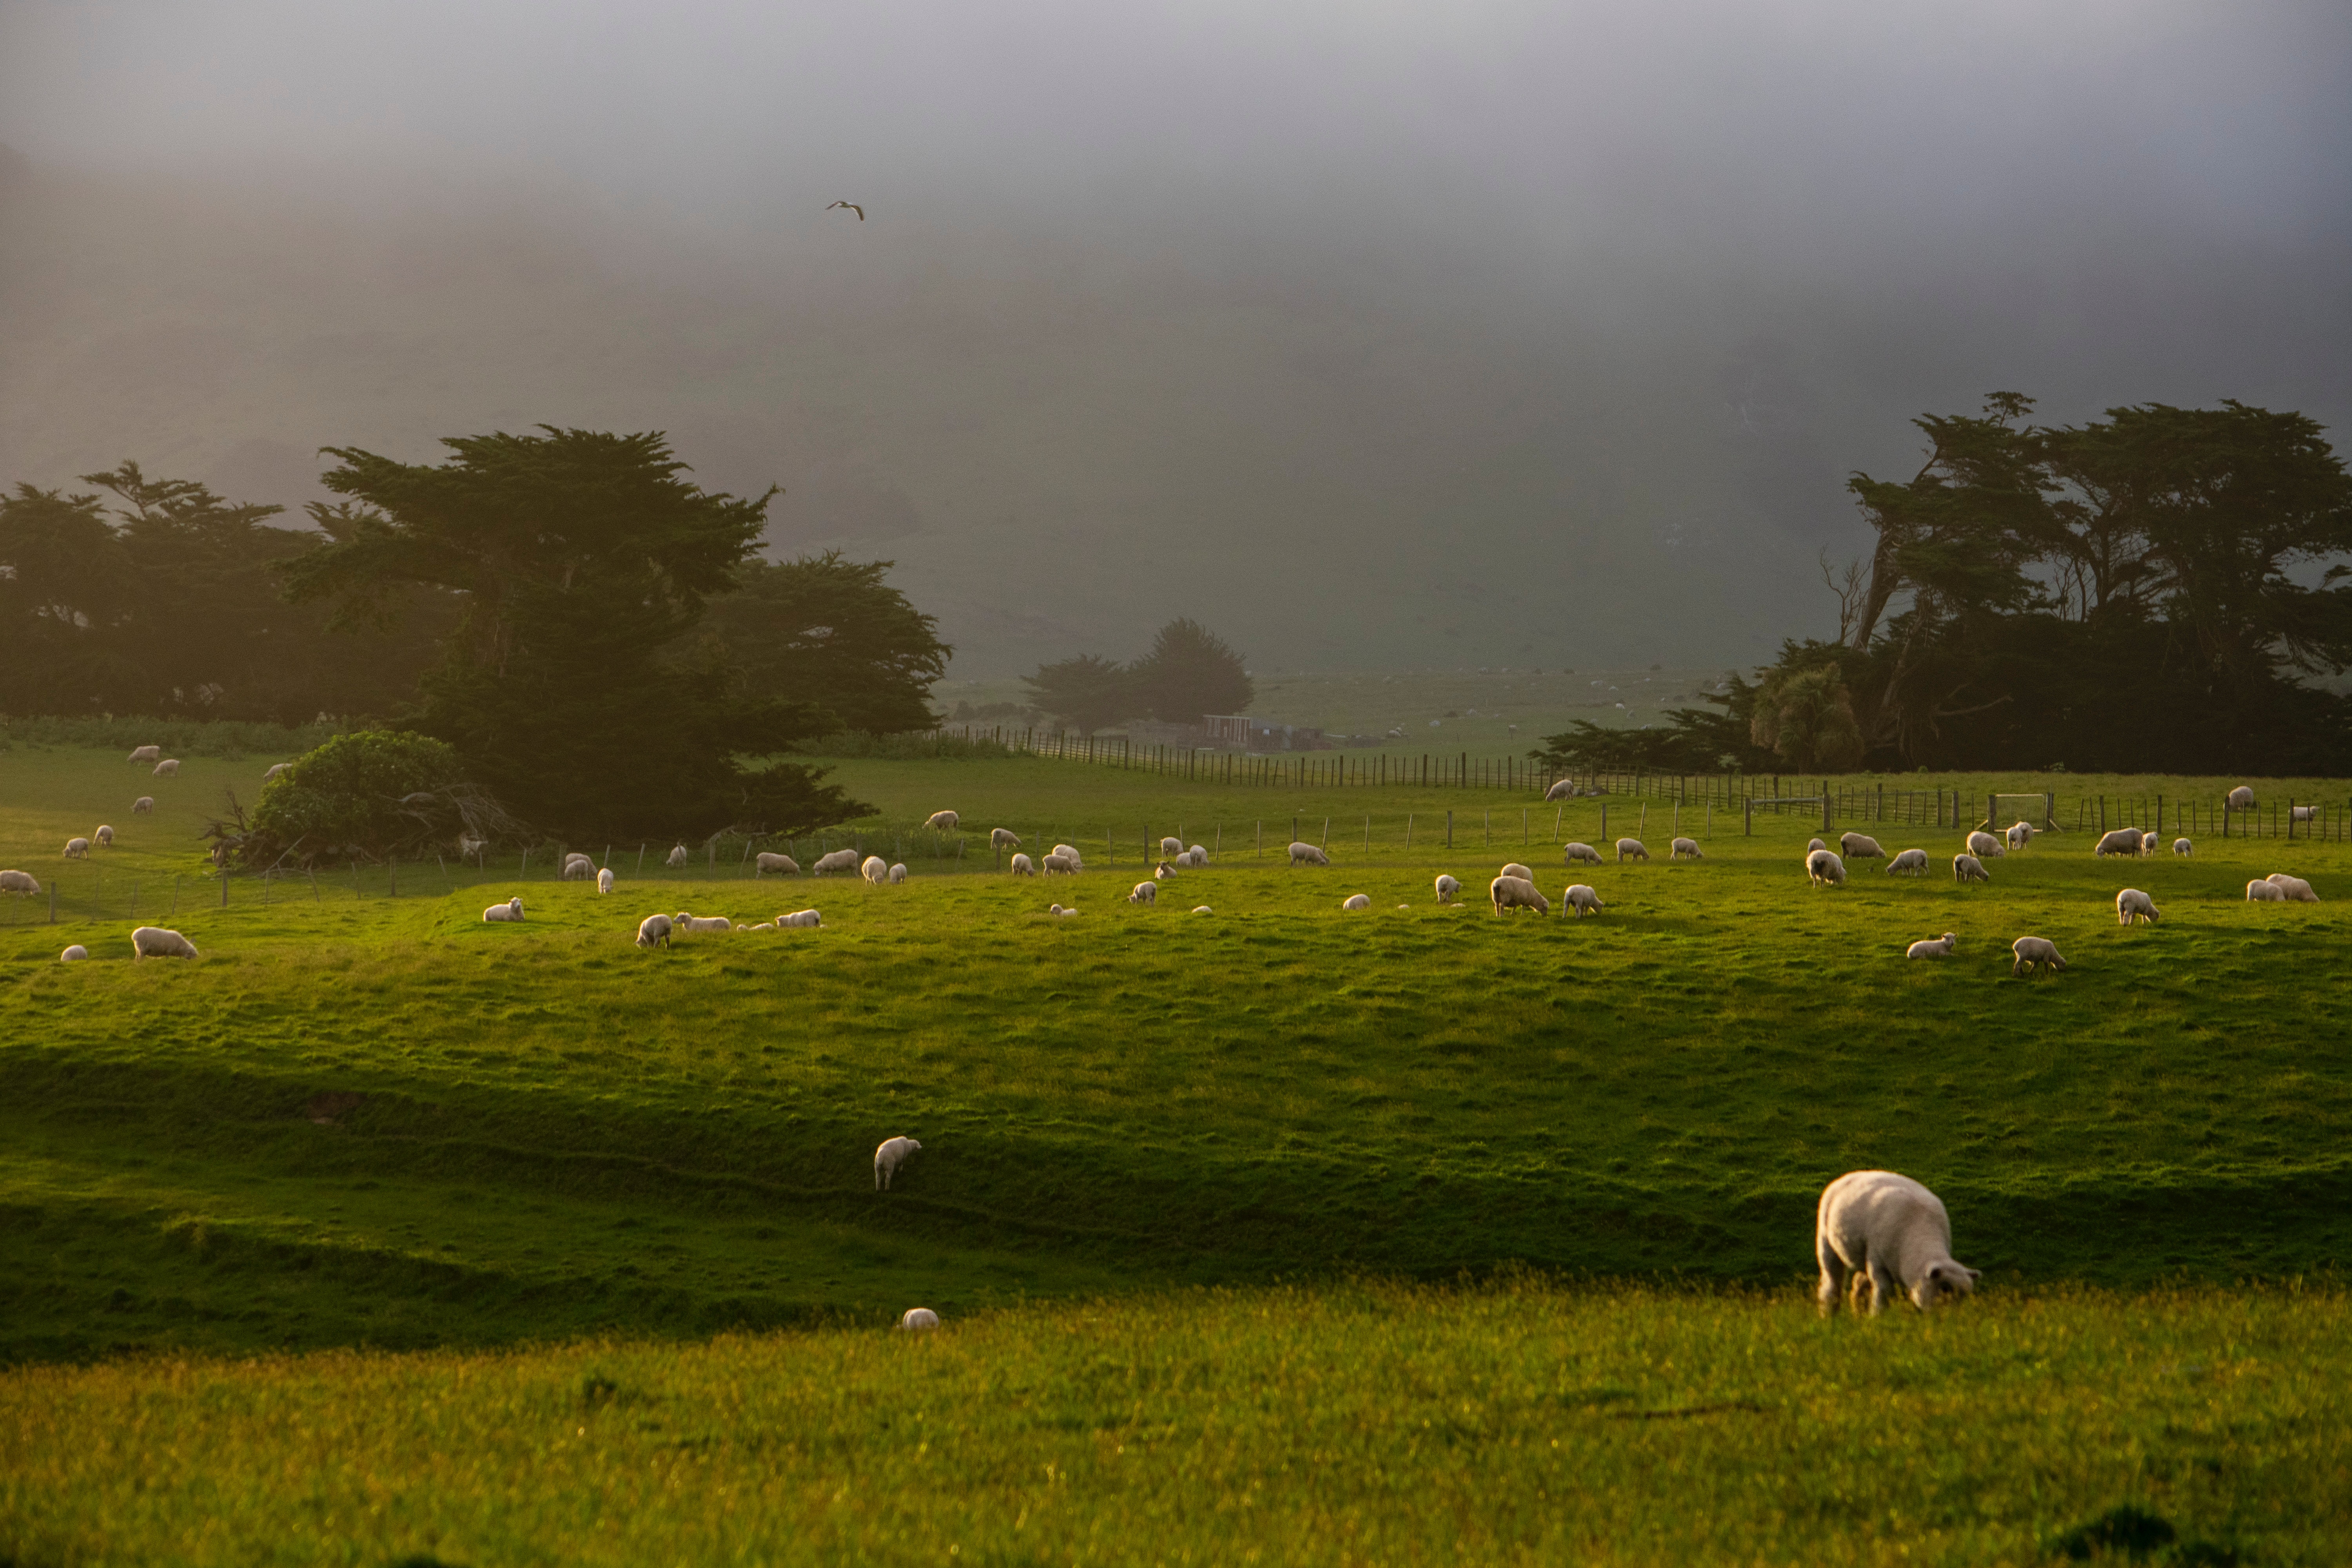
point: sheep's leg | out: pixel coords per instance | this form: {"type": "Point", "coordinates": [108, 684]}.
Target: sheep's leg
{"type": "Point", "coordinates": [1835, 1281]}
{"type": "Point", "coordinates": [1882, 1287]}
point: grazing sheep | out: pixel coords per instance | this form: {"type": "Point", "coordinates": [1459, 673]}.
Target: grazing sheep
{"type": "Point", "coordinates": [767, 862]}
{"type": "Point", "coordinates": [2120, 841]}
{"type": "Point", "coordinates": [1516, 893]}
{"type": "Point", "coordinates": [2034, 952]}
{"type": "Point", "coordinates": [1684, 849]}
{"type": "Point", "coordinates": [703, 925]}
{"type": "Point", "coordinates": [1172, 847]}
{"type": "Point", "coordinates": [1825, 869]}
{"type": "Point", "coordinates": [2182, 846]}
{"type": "Point", "coordinates": [19, 882]}
{"type": "Point", "coordinates": [275, 769]}
{"type": "Point", "coordinates": [1200, 854]}
{"type": "Point", "coordinates": [1516, 870]}
{"type": "Point", "coordinates": [1985, 846]}
{"type": "Point", "coordinates": [1202, 909]}
{"type": "Point", "coordinates": [509, 911]}
{"type": "Point", "coordinates": [169, 767]}
{"type": "Point", "coordinates": [2132, 905]}
{"type": "Point", "coordinates": [918, 1318]}
{"type": "Point", "coordinates": [1024, 866]}
{"type": "Point", "coordinates": [2147, 844]}
{"type": "Point", "coordinates": [654, 930]}
{"type": "Point", "coordinates": [154, 941]}
{"type": "Point", "coordinates": [2297, 890]}
{"type": "Point", "coordinates": [1070, 852]}
{"type": "Point", "coordinates": [73, 954]}
{"type": "Point", "coordinates": [1814, 845]}
{"type": "Point", "coordinates": [1860, 846]}
{"type": "Point", "coordinates": [676, 856]}
{"type": "Point", "coordinates": [898, 873]}
{"type": "Point", "coordinates": [1887, 1231]}
{"type": "Point", "coordinates": [1564, 790]}
{"type": "Point", "coordinates": [1968, 869]}
{"type": "Point", "coordinates": [942, 821]}
{"type": "Point", "coordinates": [1580, 900]}
{"type": "Point", "coordinates": [1632, 847]}
{"type": "Point", "coordinates": [469, 846]}
{"type": "Point", "coordinates": [604, 880]}
{"type": "Point", "coordinates": [144, 804]}
{"type": "Point", "coordinates": [1356, 901]}
{"type": "Point", "coordinates": [148, 754]}
{"type": "Point", "coordinates": [888, 1158]}
{"type": "Point", "coordinates": [1004, 838]}
{"type": "Point", "coordinates": [2241, 798]}
{"type": "Point", "coordinates": [800, 920]}
{"type": "Point", "coordinates": [1909, 862]}
{"type": "Point", "coordinates": [1057, 910]}
{"type": "Point", "coordinates": [1939, 947]}
{"type": "Point", "coordinates": [2021, 834]}
{"type": "Point", "coordinates": [1144, 894]}
{"type": "Point", "coordinates": [103, 837]}
{"type": "Point", "coordinates": [1447, 888]}
{"type": "Point", "coordinates": [1572, 854]}
{"type": "Point", "coordinates": [77, 848]}
{"type": "Point", "coordinates": [2302, 814]}
{"type": "Point", "coordinates": [1060, 865]}
{"type": "Point", "coordinates": [577, 869]}
{"type": "Point", "coordinates": [2265, 892]}
{"type": "Point", "coordinates": [839, 860]}
{"type": "Point", "coordinates": [1307, 855]}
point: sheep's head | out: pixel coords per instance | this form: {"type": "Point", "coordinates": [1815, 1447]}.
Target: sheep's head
{"type": "Point", "coordinates": [1945, 1280]}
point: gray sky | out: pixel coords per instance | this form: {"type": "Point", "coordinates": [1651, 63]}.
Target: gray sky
{"type": "Point", "coordinates": [1369, 335]}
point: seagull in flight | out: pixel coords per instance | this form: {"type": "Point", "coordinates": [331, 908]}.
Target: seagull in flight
{"type": "Point", "coordinates": [852, 206]}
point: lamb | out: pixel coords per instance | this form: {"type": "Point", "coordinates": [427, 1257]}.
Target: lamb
{"type": "Point", "coordinates": [2297, 890]}
{"type": "Point", "coordinates": [897, 873]}
{"type": "Point", "coordinates": [942, 821]}
{"type": "Point", "coordinates": [800, 920]}
{"type": "Point", "coordinates": [1631, 846]}
{"type": "Point", "coordinates": [143, 805]}
{"type": "Point", "coordinates": [2132, 905]}
{"type": "Point", "coordinates": [2302, 813]}
{"type": "Point", "coordinates": [276, 769]}
{"type": "Point", "coordinates": [1684, 849]}
{"type": "Point", "coordinates": [1516, 870]}
{"type": "Point", "coordinates": [874, 868]}
{"type": "Point", "coordinates": [1024, 866]}
{"type": "Point", "coordinates": [509, 911]}
{"type": "Point", "coordinates": [1307, 855]}
{"type": "Point", "coordinates": [103, 837]}
{"type": "Point", "coordinates": [1985, 846]}
{"type": "Point", "coordinates": [1940, 947]}
{"type": "Point", "coordinates": [1060, 865]}
{"type": "Point", "coordinates": [839, 860]}
{"type": "Point", "coordinates": [148, 754]}
{"type": "Point", "coordinates": [2241, 798]}
{"type": "Point", "coordinates": [915, 1319]}
{"type": "Point", "coordinates": [1356, 901]}
{"type": "Point", "coordinates": [676, 856]}
{"type": "Point", "coordinates": [1574, 853]}
{"type": "Point", "coordinates": [2147, 844]}
{"type": "Point", "coordinates": [1004, 838]}
{"type": "Point", "coordinates": [2033, 952]}
{"type": "Point", "coordinates": [1057, 910]}
{"type": "Point", "coordinates": [1968, 869]}
{"type": "Point", "coordinates": [154, 941]}
{"type": "Point", "coordinates": [2021, 834]}
{"type": "Point", "coordinates": [73, 954]}
{"type": "Point", "coordinates": [2120, 841]}
{"type": "Point", "coordinates": [1877, 1228]}
{"type": "Point", "coordinates": [2182, 846]}
{"type": "Point", "coordinates": [654, 930]}
{"type": "Point", "coordinates": [1909, 862]}
{"type": "Point", "coordinates": [699, 925]}
{"type": "Point", "coordinates": [578, 868]}
{"type": "Point", "coordinates": [1860, 846]}
{"type": "Point", "coordinates": [1144, 894]}
{"type": "Point", "coordinates": [1516, 893]}
{"type": "Point", "coordinates": [1202, 909]}
{"type": "Point", "coordinates": [1581, 901]}
{"type": "Point", "coordinates": [763, 925]}
{"type": "Point", "coordinates": [888, 1158]}
{"type": "Point", "coordinates": [1070, 852]}
{"type": "Point", "coordinates": [168, 768]}
{"type": "Point", "coordinates": [1163, 872]}
{"type": "Point", "coordinates": [2265, 892]}
{"type": "Point", "coordinates": [1447, 888]}
{"type": "Point", "coordinates": [1564, 790]}
{"type": "Point", "coordinates": [1172, 847]}
{"type": "Point", "coordinates": [77, 848]}
{"type": "Point", "coordinates": [19, 882]}
{"type": "Point", "coordinates": [1825, 869]}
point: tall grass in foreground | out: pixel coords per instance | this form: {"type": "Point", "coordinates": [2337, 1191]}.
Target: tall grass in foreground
{"type": "Point", "coordinates": [1368, 1424]}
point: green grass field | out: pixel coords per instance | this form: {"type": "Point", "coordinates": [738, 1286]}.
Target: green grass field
{"type": "Point", "coordinates": [562, 1135]}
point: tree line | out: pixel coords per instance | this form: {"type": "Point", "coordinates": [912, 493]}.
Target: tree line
{"type": "Point", "coordinates": [1190, 673]}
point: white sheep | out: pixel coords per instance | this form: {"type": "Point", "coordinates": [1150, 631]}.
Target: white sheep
{"type": "Point", "coordinates": [276, 769]}
{"type": "Point", "coordinates": [1172, 847]}
{"type": "Point", "coordinates": [19, 882]}
{"type": "Point", "coordinates": [2021, 834]}
{"type": "Point", "coordinates": [763, 925]}
{"type": "Point", "coordinates": [1967, 869]}
{"type": "Point", "coordinates": [1356, 901]}
{"type": "Point", "coordinates": [168, 768]}
{"type": "Point", "coordinates": [1814, 845]}
{"type": "Point", "coordinates": [604, 880]}
{"type": "Point", "coordinates": [897, 873]}
{"type": "Point", "coordinates": [1580, 900]}
{"type": "Point", "coordinates": [1564, 790]}
{"type": "Point", "coordinates": [103, 837]}
{"type": "Point", "coordinates": [2132, 905]}
{"type": "Point", "coordinates": [577, 867]}
{"type": "Point", "coordinates": [1144, 894]}
{"type": "Point", "coordinates": [2297, 890]}
{"type": "Point", "coordinates": [73, 954]}
{"type": "Point", "coordinates": [676, 856]}
{"type": "Point", "coordinates": [1578, 853]}
{"type": "Point", "coordinates": [1200, 855]}
{"type": "Point", "coordinates": [2265, 891]}
{"type": "Point", "coordinates": [1060, 865]}
{"type": "Point", "coordinates": [915, 1319]}
{"type": "Point", "coordinates": [1516, 870]}
{"type": "Point", "coordinates": [2241, 798]}
{"type": "Point", "coordinates": [699, 925]}
{"type": "Point", "coordinates": [1070, 852]}
{"type": "Point", "coordinates": [144, 804]}
{"type": "Point", "coordinates": [1684, 849]}
{"type": "Point", "coordinates": [1057, 910]}
{"type": "Point", "coordinates": [2034, 952]}
{"type": "Point", "coordinates": [1631, 848]}
{"type": "Point", "coordinates": [654, 930]}
{"type": "Point", "coordinates": [1516, 893]}
{"type": "Point", "coordinates": [2302, 813]}
{"type": "Point", "coordinates": [2118, 841]}
{"type": "Point", "coordinates": [1024, 866]}
{"type": "Point", "coordinates": [1860, 846]}
{"type": "Point", "coordinates": [147, 754]}
{"type": "Point", "coordinates": [800, 920]}
{"type": "Point", "coordinates": [1004, 838]}
{"type": "Point", "coordinates": [2182, 846]}
{"type": "Point", "coordinates": [1163, 872]}
{"type": "Point", "coordinates": [1938, 947]}
{"type": "Point", "coordinates": [1202, 909]}
{"type": "Point", "coordinates": [1448, 888]}
{"type": "Point", "coordinates": [839, 860]}
{"type": "Point", "coordinates": [1985, 846]}
{"type": "Point", "coordinates": [509, 911]}
{"type": "Point", "coordinates": [768, 860]}
{"type": "Point", "coordinates": [888, 1158]}
{"type": "Point", "coordinates": [469, 846]}
{"type": "Point", "coordinates": [942, 821]}
{"type": "Point", "coordinates": [154, 941]}
{"type": "Point", "coordinates": [1909, 862]}
{"type": "Point", "coordinates": [2147, 843]}
{"type": "Point", "coordinates": [1825, 869]}
{"type": "Point", "coordinates": [1304, 854]}
{"type": "Point", "coordinates": [77, 848]}
{"type": "Point", "coordinates": [1886, 1231]}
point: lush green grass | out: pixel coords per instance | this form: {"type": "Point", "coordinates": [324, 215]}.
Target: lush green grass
{"type": "Point", "coordinates": [1347, 1424]}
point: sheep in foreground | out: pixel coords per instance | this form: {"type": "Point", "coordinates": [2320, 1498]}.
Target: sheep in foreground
{"type": "Point", "coordinates": [1516, 870]}
{"type": "Point", "coordinates": [2021, 834]}
{"type": "Point", "coordinates": [276, 769]}
{"type": "Point", "coordinates": [154, 941]}
{"type": "Point", "coordinates": [915, 1319]}
{"type": "Point", "coordinates": [2241, 798]}
{"type": "Point", "coordinates": [1630, 849]}
{"type": "Point", "coordinates": [147, 754]}
{"type": "Point", "coordinates": [839, 860]}
{"type": "Point", "coordinates": [509, 911]}
{"type": "Point", "coordinates": [2033, 952]}
{"type": "Point", "coordinates": [888, 1158]}
{"type": "Point", "coordinates": [1910, 862]}
{"type": "Point", "coordinates": [1060, 865]}
{"type": "Point", "coordinates": [699, 925]}
{"type": "Point", "coordinates": [2295, 888]}
{"type": "Point", "coordinates": [1825, 869]}
{"type": "Point", "coordinates": [1356, 901]}
{"type": "Point", "coordinates": [676, 856]}
{"type": "Point", "coordinates": [604, 880]}
{"type": "Point", "coordinates": [2182, 846]}
{"type": "Point", "coordinates": [2147, 843]}
{"type": "Point", "coordinates": [1564, 790]}
{"type": "Point", "coordinates": [1985, 846]}
{"type": "Point", "coordinates": [1448, 889]}
{"type": "Point", "coordinates": [168, 768]}
{"type": "Point", "coordinates": [768, 860]}
{"type": "Point", "coordinates": [942, 821]}
{"type": "Point", "coordinates": [1580, 900]}
{"type": "Point", "coordinates": [19, 882]}
{"type": "Point", "coordinates": [800, 920]}
{"type": "Point", "coordinates": [1144, 894]}
{"type": "Point", "coordinates": [578, 868]}
{"type": "Point", "coordinates": [1004, 838]}
{"type": "Point", "coordinates": [654, 930]}
{"type": "Point", "coordinates": [103, 837]}
{"type": "Point", "coordinates": [2118, 841]}
{"type": "Point", "coordinates": [1024, 866]}
{"type": "Point", "coordinates": [1684, 849]}
{"type": "Point", "coordinates": [1579, 854]}
{"type": "Point", "coordinates": [1307, 855]}
{"type": "Point", "coordinates": [1886, 1231]}
{"type": "Point", "coordinates": [1860, 846]}
{"type": "Point", "coordinates": [143, 805]}
{"type": "Point", "coordinates": [1516, 893]}
{"type": "Point", "coordinates": [73, 954]}
{"type": "Point", "coordinates": [1937, 947]}
{"type": "Point", "coordinates": [2133, 906]}
{"type": "Point", "coordinates": [77, 848]}
{"type": "Point", "coordinates": [898, 873]}
{"type": "Point", "coordinates": [1967, 869]}
{"type": "Point", "coordinates": [1172, 847]}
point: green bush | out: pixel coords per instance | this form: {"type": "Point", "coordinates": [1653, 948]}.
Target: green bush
{"type": "Point", "coordinates": [372, 796]}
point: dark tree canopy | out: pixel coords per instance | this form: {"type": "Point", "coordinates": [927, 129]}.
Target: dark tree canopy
{"type": "Point", "coordinates": [830, 633]}
{"type": "Point", "coordinates": [1190, 673]}
{"type": "Point", "coordinates": [1088, 693]}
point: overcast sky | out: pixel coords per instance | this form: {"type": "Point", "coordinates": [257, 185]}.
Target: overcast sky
{"type": "Point", "coordinates": [1433, 287]}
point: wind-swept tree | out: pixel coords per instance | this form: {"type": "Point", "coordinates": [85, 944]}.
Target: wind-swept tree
{"type": "Point", "coordinates": [1191, 672]}
{"type": "Point", "coordinates": [830, 633]}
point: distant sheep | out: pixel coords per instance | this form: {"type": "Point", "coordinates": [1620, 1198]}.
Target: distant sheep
{"type": "Point", "coordinates": [1060, 865]}
{"type": "Point", "coordinates": [2182, 846]}
{"type": "Point", "coordinates": [148, 754]}
{"type": "Point", "coordinates": [1202, 909]}
{"type": "Point", "coordinates": [469, 846]}
{"type": "Point", "coordinates": [276, 769]}
{"type": "Point", "coordinates": [103, 837]}
{"type": "Point", "coordinates": [768, 860]}
{"type": "Point", "coordinates": [763, 925]}
{"type": "Point", "coordinates": [509, 911]}
{"type": "Point", "coordinates": [2265, 892]}
{"type": "Point", "coordinates": [1144, 894]}
{"type": "Point", "coordinates": [1968, 869]}
{"type": "Point", "coordinates": [699, 925]}
{"type": "Point", "coordinates": [2302, 813]}
{"type": "Point", "coordinates": [1564, 790]}
{"type": "Point", "coordinates": [1070, 852]}
{"type": "Point", "coordinates": [2147, 842]}
{"type": "Point", "coordinates": [1024, 866]}
{"type": "Point", "coordinates": [889, 1157]}
{"type": "Point", "coordinates": [1937, 947]}
{"type": "Point", "coordinates": [1576, 853]}
{"type": "Point", "coordinates": [1200, 854]}
{"type": "Point", "coordinates": [2120, 841]}
{"type": "Point", "coordinates": [1516, 870]}
{"type": "Point", "coordinates": [915, 1319]}
{"type": "Point", "coordinates": [1356, 901]}
{"type": "Point", "coordinates": [676, 856]}
{"type": "Point", "coordinates": [1877, 1229]}
{"type": "Point", "coordinates": [144, 804]}
{"type": "Point", "coordinates": [942, 821]}
{"type": "Point", "coordinates": [654, 930]}
{"type": "Point", "coordinates": [1910, 862]}
{"type": "Point", "coordinates": [898, 873]}
{"type": "Point", "coordinates": [839, 860]}
{"type": "Point", "coordinates": [604, 880]}
{"type": "Point", "coordinates": [1581, 901]}
{"type": "Point", "coordinates": [73, 954]}
{"type": "Point", "coordinates": [1307, 855]}
{"type": "Point", "coordinates": [800, 920]}
{"type": "Point", "coordinates": [1684, 849]}
{"type": "Point", "coordinates": [1057, 910]}
{"type": "Point", "coordinates": [1815, 844]}
{"type": "Point", "coordinates": [874, 870]}
{"type": "Point", "coordinates": [1516, 893]}
{"type": "Point", "coordinates": [578, 868]}
{"type": "Point", "coordinates": [1172, 847]}
{"type": "Point", "coordinates": [77, 848]}
{"type": "Point", "coordinates": [1985, 846]}
{"type": "Point", "coordinates": [2241, 798]}
{"type": "Point", "coordinates": [154, 941]}
{"type": "Point", "coordinates": [1825, 869]}
{"type": "Point", "coordinates": [2034, 952]}
{"type": "Point", "coordinates": [2133, 906]}
{"type": "Point", "coordinates": [1631, 848]}
{"type": "Point", "coordinates": [1163, 872]}
{"type": "Point", "coordinates": [19, 882]}
{"type": "Point", "coordinates": [1860, 846]}
{"type": "Point", "coordinates": [168, 768]}
{"type": "Point", "coordinates": [1448, 889]}
{"type": "Point", "coordinates": [2297, 890]}
{"type": "Point", "coordinates": [2021, 834]}
{"type": "Point", "coordinates": [1004, 838]}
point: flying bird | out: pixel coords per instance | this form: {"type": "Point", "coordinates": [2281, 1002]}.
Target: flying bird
{"type": "Point", "coordinates": [852, 206]}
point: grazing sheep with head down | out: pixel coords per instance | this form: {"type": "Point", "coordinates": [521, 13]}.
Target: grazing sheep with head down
{"type": "Point", "coordinates": [147, 754]}
{"type": "Point", "coordinates": [103, 837]}
{"type": "Point", "coordinates": [19, 882]}
{"type": "Point", "coordinates": [699, 925]}
{"type": "Point", "coordinates": [1516, 870]}
{"type": "Point", "coordinates": [2132, 905]}
{"type": "Point", "coordinates": [1985, 846]}
{"type": "Point", "coordinates": [1024, 866]}
{"type": "Point", "coordinates": [1356, 901]}
{"type": "Point", "coordinates": [2241, 798]}
{"type": "Point", "coordinates": [2021, 834]}
{"type": "Point", "coordinates": [1202, 909]}
{"type": "Point", "coordinates": [2147, 843]}
{"type": "Point", "coordinates": [1937, 947]}
{"type": "Point", "coordinates": [578, 868]}
{"type": "Point", "coordinates": [77, 848]}
{"type": "Point", "coordinates": [1304, 854]}
{"type": "Point", "coordinates": [654, 930]}
{"type": "Point", "coordinates": [2182, 846]}
{"type": "Point", "coordinates": [1516, 893]}
{"type": "Point", "coordinates": [1580, 900]}
{"type": "Point", "coordinates": [942, 821]}
{"type": "Point", "coordinates": [1860, 846]}
{"type": "Point", "coordinates": [1579, 854]}
{"type": "Point", "coordinates": [1825, 869]}
{"type": "Point", "coordinates": [800, 920]}
{"type": "Point", "coordinates": [143, 805]}
{"type": "Point", "coordinates": [676, 856]}
{"type": "Point", "coordinates": [1200, 854]}
{"type": "Point", "coordinates": [2119, 841]}
{"type": "Point", "coordinates": [1630, 849]}
{"type": "Point", "coordinates": [874, 868]}
{"type": "Point", "coordinates": [767, 862]}
{"type": "Point", "coordinates": [1886, 1232]}
{"type": "Point", "coordinates": [888, 1158]}
{"type": "Point", "coordinates": [509, 911]}
{"type": "Point", "coordinates": [73, 954]}
{"type": "Point", "coordinates": [1172, 847]}
{"type": "Point", "coordinates": [839, 860]}
{"type": "Point", "coordinates": [2295, 888]}
{"type": "Point", "coordinates": [1144, 894]}
{"type": "Point", "coordinates": [2265, 892]}
{"type": "Point", "coordinates": [1967, 869]}
{"type": "Point", "coordinates": [898, 872]}
{"type": "Point", "coordinates": [1911, 862]}
{"type": "Point", "coordinates": [1004, 838]}
{"type": "Point", "coordinates": [167, 768]}
{"type": "Point", "coordinates": [604, 880]}
{"type": "Point", "coordinates": [2034, 952]}
{"type": "Point", "coordinates": [154, 941]}
{"type": "Point", "coordinates": [1060, 865]}
{"type": "Point", "coordinates": [915, 1319]}
{"type": "Point", "coordinates": [1447, 888]}
{"type": "Point", "coordinates": [1814, 845]}
{"type": "Point", "coordinates": [1070, 852]}
{"type": "Point", "coordinates": [1684, 849]}
{"type": "Point", "coordinates": [1564, 790]}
